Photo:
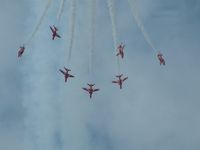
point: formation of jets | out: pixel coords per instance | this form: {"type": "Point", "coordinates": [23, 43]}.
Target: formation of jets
{"type": "Point", "coordinates": [54, 32]}
{"type": "Point", "coordinates": [66, 74]}
{"type": "Point", "coordinates": [91, 89]}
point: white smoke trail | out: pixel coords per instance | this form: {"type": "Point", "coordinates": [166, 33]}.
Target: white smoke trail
{"type": "Point", "coordinates": [38, 92]}
{"type": "Point", "coordinates": [114, 30]}
{"type": "Point", "coordinates": [61, 9]}
{"type": "Point", "coordinates": [92, 40]}
{"type": "Point", "coordinates": [39, 22]}
{"type": "Point", "coordinates": [71, 28]}
{"type": "Point", "coordinates": [139, 23]}
{"type": "Point", "coordinates": [113, 22]}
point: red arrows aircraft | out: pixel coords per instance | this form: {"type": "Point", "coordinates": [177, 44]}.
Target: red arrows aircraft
{"type": "Point", "coordinates": [120, 49]}
{"type": "Point", "coordinates": [66, 74]}
{"type": "Point", "coordinates": [21, 51]}
{"type": "Point", "coordinates": [120, 80]}
{"type": "Point", "coordinates": [161, 59]}
{"type": "Point", "coordinates": [54, 32]}
{"type": "Point", "coordinates": [90, 90]}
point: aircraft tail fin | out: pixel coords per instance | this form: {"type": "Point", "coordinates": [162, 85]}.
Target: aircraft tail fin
{"type": "Point", "coordinates": [118, 76]}
{"type": "Point", "coordinates": [91, 84]}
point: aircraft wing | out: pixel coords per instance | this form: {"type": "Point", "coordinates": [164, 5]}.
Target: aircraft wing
{"type": "Point", "coordinates": [71, 76]}
{"type": "Point", "coordinates": [62, 71]}
{"type": "Point", "coordinates": [85, 89]}
{"type": "Point", "coordinates": [51, 29]}
{"type": "Point", "coordinates": [114, 81]}
{"type": "Point", "coordinates": [96, 90]}
{"type": "Point", "coordinates": [125, 78]}
{"type": "Point", "coordinates": [58, 36]}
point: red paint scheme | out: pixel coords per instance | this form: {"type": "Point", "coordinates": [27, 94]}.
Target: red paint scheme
{"type": "Point", "coordinates": [120, 80]}
{"type": "Point", "coordinates": [54, 32]}
{"type": "Point", "coordinates": [161, 59]}
{"type": "Point", "coordinates": [21, 51]}
{"type": "Point", "coordinates": [120, 49]}
{"type": "Point", "coordinates": [90, 90]}
{"type": "Point", "coordinates": [66, 74]}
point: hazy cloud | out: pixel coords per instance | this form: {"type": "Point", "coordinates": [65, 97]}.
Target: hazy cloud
{"type": "Point", "coordinates": [158, 107]}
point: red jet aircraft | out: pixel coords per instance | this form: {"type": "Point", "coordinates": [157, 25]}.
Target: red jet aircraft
{"type": "Point", "coordinates": [21, 51]}
{"type": "Point", "coordinates": [120, 80]}
{"type": "Point", "coordinates": [66, 74]}
{"type": "Point", "coordinates": [90, 90]}
{"type": "Point", "coordinates": [120, 49]}
{"type": "Point", "coordinates": [54, 32]}
{"type": "Point", "coordinates": [161, 59]}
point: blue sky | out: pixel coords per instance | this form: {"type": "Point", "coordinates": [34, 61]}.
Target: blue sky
{"type": "Point", "coordinates": [158, 107]}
